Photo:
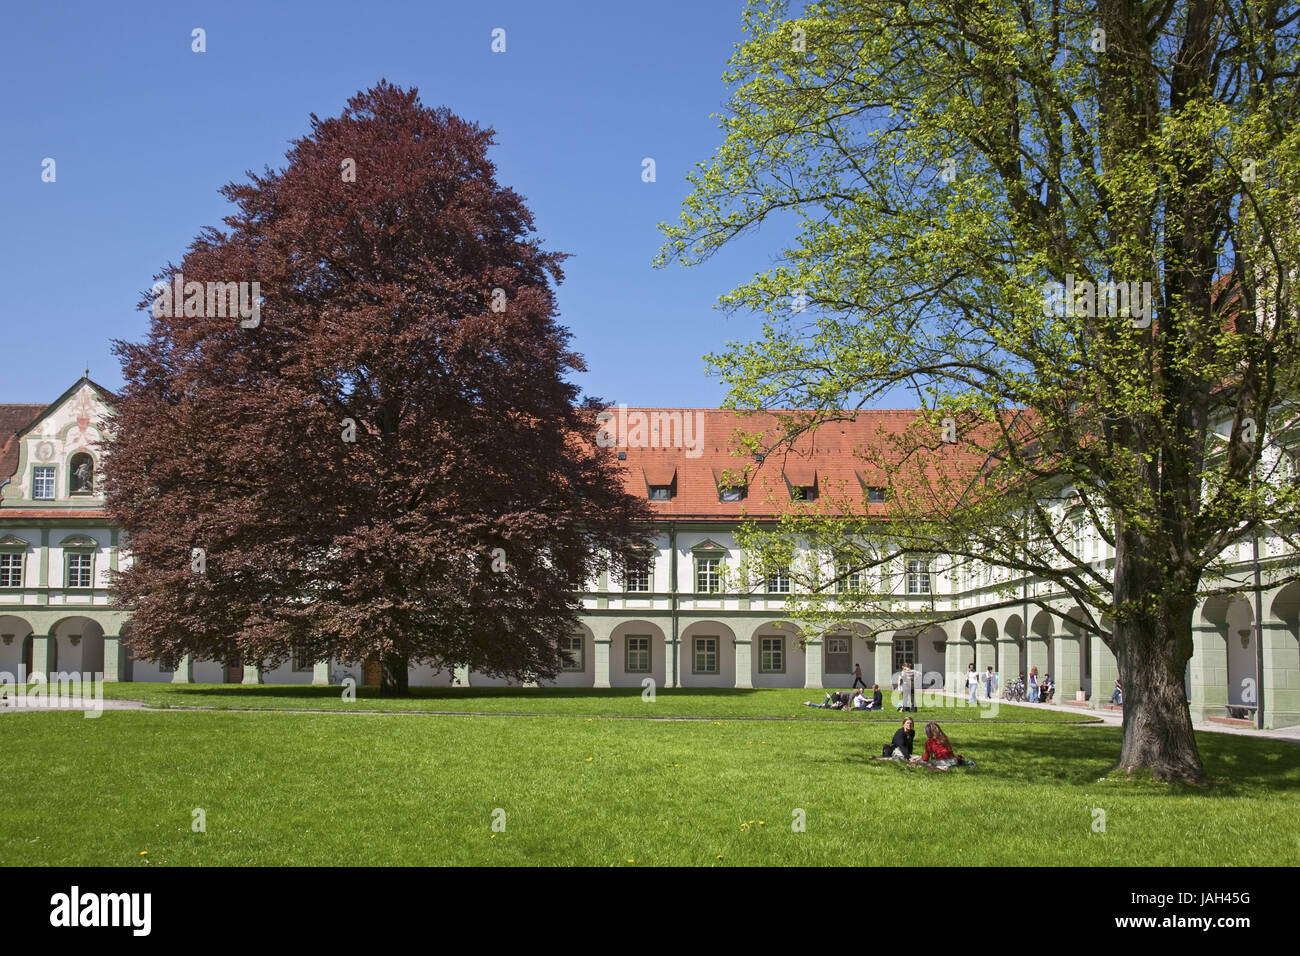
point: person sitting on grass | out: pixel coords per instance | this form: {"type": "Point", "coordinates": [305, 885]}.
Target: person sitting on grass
{"type": "Point", "coordinates": [901, 745]}
{"type": "Point", "coordinates": [835, 700]}
{"type": "Point", "coordinates": [861, 701]}
{"type": "Point", "coordinates": [938, 750]}
{"type": "Point", "coordinates": [877, 699]}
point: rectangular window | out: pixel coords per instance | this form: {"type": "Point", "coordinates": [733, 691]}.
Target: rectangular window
{"type": "Point", "coordinates": [918, 576]}
{"type": "Point", "coordinates": [803, 492]}
{"type": "Point", "coordinates": [771, 655]}
{"type": "Point", "coordinates": [1077, 544]}
{"type": "Point", "coordinates": [638, 655]}
{"type": "Point", "coordinates": [731, 494]}
{"type": "Point", "coordinates": [706, 655]}
{"type": "Point", "coordinates": [837, 656]}
{"type": "Point", "coordinates": [875, 493]}
{"type": "Point", "coordinates": [904, 652]}
{"type": "Point", "coordinates": [79, 570]}
{"type": "Point", "coordinates": [848, 581]}
{"type": "Point", "coordinates": [778, 581]}
{"type": "Point", "coordinates": [43, 482]}
{"type": "Point", "coordinates": [302, 661]}
{"type": "Point", "coordinates": [636, 573]}
{"type": "Point", "coordinates": [661, 492]}
{"type": "Point", "coordinates": [11, 569]}
{"type": "Point", "coordinates": [708, 578]}
{"type": "Point", "coordinates": [571, 653]}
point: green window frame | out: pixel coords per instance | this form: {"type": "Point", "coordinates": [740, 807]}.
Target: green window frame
{"type": "Point", "coordinates": [79, 570]}
{"type": "Point", "coordinates": [571, 654]}
{"type": "Point", "coordinates": [11, 568]}
{"type": "Point", "coordinates": [638, 574]}
{"type": "Point", "coordinates": [300, 662]}
{"type": "Point", "coordinates": [44, 487]}
{"type": "Point", "coordinates": [706, 656]}
{"type": "Point", "coordinates": [636, 654]}
{"type": "Point", "coordinates": [918, 576]}
{"type": "Point", "coordinates": [771, 655]}
{"type": "Point", "coordinates": [708, 575]}
{"type": "Point", "coordinates": [839, 655]}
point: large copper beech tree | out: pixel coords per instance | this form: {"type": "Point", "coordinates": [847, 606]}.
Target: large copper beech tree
{"type": "Point", "coordinates": [1068, 228]}
{"type": "Point", "coordinates": [382, 456]}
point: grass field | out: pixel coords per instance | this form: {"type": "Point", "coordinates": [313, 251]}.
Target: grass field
{"type": "Point", "coordinates": [774, 703]}
{"type": "Point", "coordinates": [320, 789]}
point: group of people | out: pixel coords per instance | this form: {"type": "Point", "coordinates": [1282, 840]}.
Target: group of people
{"type": "Point", "coordinates": [848, 700]}
{"type": "Point", "coordinates": [937, 755]}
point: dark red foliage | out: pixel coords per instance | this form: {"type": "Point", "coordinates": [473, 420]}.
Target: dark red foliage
{"type": "Point", "coordinates": [377, 309]}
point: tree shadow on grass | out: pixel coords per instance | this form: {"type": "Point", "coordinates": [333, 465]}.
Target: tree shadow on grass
{"type": "Point", "coordinates": [1237, 766]}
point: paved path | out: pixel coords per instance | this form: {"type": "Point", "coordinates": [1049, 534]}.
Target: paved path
{"type": "Point", "coordinates": [1115, 718]}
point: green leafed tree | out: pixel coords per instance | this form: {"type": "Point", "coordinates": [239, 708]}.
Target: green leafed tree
{"type": "Point", "coordinates": [1064, 231]}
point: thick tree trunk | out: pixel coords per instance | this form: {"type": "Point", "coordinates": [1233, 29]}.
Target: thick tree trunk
{"type": "Point", "coordinates": [1157, 723]}
{"type": "Point", "coordinates": [393, 676]}
{"type": "Point", "coordinates": [1152, 643]}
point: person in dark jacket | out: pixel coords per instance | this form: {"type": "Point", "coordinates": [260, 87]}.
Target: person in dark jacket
{"type": "Point", "coordinates": [902, 743]}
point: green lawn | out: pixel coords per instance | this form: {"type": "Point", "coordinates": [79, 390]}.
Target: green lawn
{"type": "Point", "coordinates": [617, 702]}
{"type": "Point", "coordinates": [321, 789]}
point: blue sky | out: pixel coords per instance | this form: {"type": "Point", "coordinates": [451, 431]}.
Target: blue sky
{"type": "Point", "coordinates": [143, 131]}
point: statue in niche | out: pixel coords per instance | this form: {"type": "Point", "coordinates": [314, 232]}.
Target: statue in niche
{"type": "Point", "coordinates": [83, 477]}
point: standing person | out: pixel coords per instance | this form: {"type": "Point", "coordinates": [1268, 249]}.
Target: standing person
{"type": "Point", "coordinates": [857, 677]}
{"type": "Point", "coordinates": [1117, 697]}
{"type": "Point", "coordinates": [973, 683]}
{"type": "Point", "coordinates": [1031, 694]}
{"type": "Point", "coordinates": [907, 687]}
{"type": "Point", "coordinates": [990, 683]}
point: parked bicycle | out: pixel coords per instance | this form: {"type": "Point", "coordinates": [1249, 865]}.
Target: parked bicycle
{"type": "Point", "coordinates": [1014, 690]}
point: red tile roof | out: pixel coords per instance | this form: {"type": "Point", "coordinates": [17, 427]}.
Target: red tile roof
{"type": "Point", "coordinates": [829, 458]}
{"type": "Point", "coordinates": [13, 419]}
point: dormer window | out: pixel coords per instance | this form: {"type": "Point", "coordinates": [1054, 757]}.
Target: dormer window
{"type": "Point", "coordinates": [731, 485]}
{"type": "Point", "coordinates": [875, 493]}
{"type": "Point", "coordinates": [803, 492]}
{"type": "Point", "coordinates": [661, 492]}
{"type": "Point", "coordinates": [81, 475]}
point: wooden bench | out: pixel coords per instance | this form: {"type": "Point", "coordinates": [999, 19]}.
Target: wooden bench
{"type": "Point", "coordinates": [1241, 711]}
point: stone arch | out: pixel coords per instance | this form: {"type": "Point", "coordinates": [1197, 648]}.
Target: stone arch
{"type": "Point", "coordinates": [79, 644]}
{"type": "Point", "coordinates": [1013, 635]}
{"type": "Point", "coordinates": [787, 637]}
{"type": "Point", "coordinates": [619, 675]}
{"type": "Point", "coordinates": [1228, 663]}
{"type": "Point", "coordinates": [585, 677]}
{"type": "Point", "coordinates": [708, 655]}
{"type": "Point", "coordinates": [14, 632]}
{"type": "Point", "coordinates": [861, 652]}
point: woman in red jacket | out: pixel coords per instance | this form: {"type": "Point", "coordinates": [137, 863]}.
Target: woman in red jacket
{"type": "Point", "coordinates": [938, 750]}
